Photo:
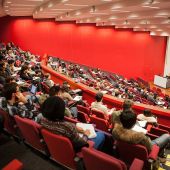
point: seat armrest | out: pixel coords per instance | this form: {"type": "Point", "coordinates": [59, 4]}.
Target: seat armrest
{"type": "Point", "coordinates": [154, 153]}
{"type": "Point", "coordinates": [137, 164]}
{"type": "Point", "coordinates": [152, 136]}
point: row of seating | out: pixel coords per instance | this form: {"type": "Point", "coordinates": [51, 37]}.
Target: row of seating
{"type": "Point", "coordinates": [61, 149]}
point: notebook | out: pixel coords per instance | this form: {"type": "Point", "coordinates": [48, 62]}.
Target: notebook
{"type": "Point", "coordinates": [89, 127]}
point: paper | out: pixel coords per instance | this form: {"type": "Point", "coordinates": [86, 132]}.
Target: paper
{"type": "Point", "coordinates": [142, 123]}
{"type": "Point", "coordinates": [77, 98]}
{"type": "Point", "coordinates": [89, 127]}
{"type": "Point", "coordinates": [139, 129]}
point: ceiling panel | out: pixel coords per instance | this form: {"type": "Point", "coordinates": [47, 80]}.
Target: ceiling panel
{"type": "Point", "coordinates": [140, 15]}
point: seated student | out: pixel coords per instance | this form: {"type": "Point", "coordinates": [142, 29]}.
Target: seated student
{"type": "Point", "coordinates": [53, 111]}
{"type": "Point", "coordinates": [24, 73]}
{"type": "Point", "coordinates": [127, 104]}
{"type": "Point", "coordinates": [48, 80]}
{"type": "Point", "coordinates": [14, 102]}
{"type": "Point", "coordinates": [148, 116]}
{"type": "Point", "coordinates": [98, 105]}
{"type": "Point", "coordinates": [55, 91]}
{"type": "Point", "coordinates": [123, 131]}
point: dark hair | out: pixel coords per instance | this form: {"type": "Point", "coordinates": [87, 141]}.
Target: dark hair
{"type": "Point", "coordinates": [11, 61]}
{"type": "Point", "coordinates": [128, 119]}
{"type": "Point", "coordinates": [53, 108]}
{"type": "Point", "coordinates": [9, 89]}
{"type": "Point", "coordinates": [127, 104]}
{"type": "Point", "coordinates": [147, 113]}
{"type": "Point", "coordinates": [9, 79]}
{"type": "Point", "coordinates": [99, 96]}
{"type": "Point", "coordinates": [54, 90]}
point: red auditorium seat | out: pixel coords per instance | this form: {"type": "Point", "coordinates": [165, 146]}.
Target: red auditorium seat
{"type": "Point", "coordinates": [14, 165]}
{"type": "Point", "coordinates": [9, 123]}
{"type": "Point", "coordinates": [101, 124]}
{"type": "Point", "coordinates": [96, 160]}
{"type": "Point", "coordinates": [60, 148]}
{"type": "Point", "coordinates": [31, 133]}
{"type": "Point", "coordinates": [45, 87]}
{"type": "Point", "coordinates": [98, 114]}
{"type": "Point", "coordinates": [82, 117]}
{"type": "Point", "coordinates": [128, 152]}
{"type": "Point", "coordinates": [83, 109]}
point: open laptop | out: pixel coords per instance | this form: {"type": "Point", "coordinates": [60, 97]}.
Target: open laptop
{"type": "Point", "coordinates": [33, 89]}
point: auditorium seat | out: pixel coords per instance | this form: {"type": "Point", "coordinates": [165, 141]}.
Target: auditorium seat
{"type": "Point", "coordinates": [61, 149]}
{"type": "Point", "coordinates": [14, 165]}
{"type": "Point", "coordinates": [100, 124]}
{"type": "Point", "coordinates": [30, 131]}
{"type": "Point", "coordinates": [96, 160]}
{"type": "Point", "coordinates": [9, 124]}
{"type": "Point", "coordinates": [45, 87]}
{"type": "Point", "coordinates": [83, 109]}
{"type": "Point", "coordinates": [82, 117]}
{"type": "Point", "coordinates": [128, 152]}
{"type": "Point", "coordinates": [98, 114]}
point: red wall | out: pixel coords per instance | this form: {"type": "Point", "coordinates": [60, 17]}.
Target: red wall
{"type": "Point", "coordinates": [125, 52]}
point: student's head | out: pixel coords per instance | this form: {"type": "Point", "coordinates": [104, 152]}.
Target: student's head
{"type": "Point", "coordinates": [128, 119]}
{"type": "Point", "coordinates": [10, 89]}
{"type": "Point", "coordinates": [53, 108]}
{"type": "Point", "coordinates": [147, 113]}
{"type": "Point", "coordinates": [99, 97]}
{"type": "Point", "coordinates": [11, 62]}
{"type": "Point", "coordinates": [47, 76]}
{"type": "Point", "coordinates": [54, 90]}
{"type": "Point", "coordinates": [127, 104]}
{"type": "Point", "coordinates": [24, 68]}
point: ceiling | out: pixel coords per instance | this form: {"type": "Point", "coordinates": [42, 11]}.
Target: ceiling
{"type": "Point", "coordinates": [140, 15]}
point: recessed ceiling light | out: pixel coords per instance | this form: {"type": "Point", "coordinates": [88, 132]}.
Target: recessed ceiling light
{"type": "Point", "coordinates": [162, 13]}
{"type": "Point", "coordinates": [76, 5]}
{"type": "Point", "coordinates": [64, 0]}
{"type": "Point", "coordinates": [113, 17]}
{"type": "Point", "coordinates": [98, 19]}
{"type": "Point", "coordinates": [133, 16]}
{"type": "Point", "coordinates": [116, 10]}
{"type": "Point", "coordinates": [106, 0]}
{"type": "Point", "coordinates": [50, 5]}
{"type": "Point", "coordinates": [153, 26]}
{"type": "Point", "coordinates": [77, 13]}
{"type": "Point", "coordinates": [41, 9]}
{"type": "Point", "coordinates": [8, 2]}
{"type": "Point", "coordinates": [155, 7]}
{"type": "Point", "coordinates": [61, 9]}
{"type": "Point", "coordinates": [98, 13]}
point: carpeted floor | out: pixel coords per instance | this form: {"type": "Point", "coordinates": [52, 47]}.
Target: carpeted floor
{"type": "Point", "coordinates": [10, 149]}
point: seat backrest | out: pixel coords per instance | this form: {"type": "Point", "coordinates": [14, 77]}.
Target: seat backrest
{"type": "Point", "coordinates": [72, 120]}
{"type": "Point", "coordinates": [9, 123]}
{"type": "Point", "coordinates": [96, 160]}
{"type": "Point", "coordinates": [82, 117]}
{"type": "Point", "coordinates": [100, 123]}
{"type": "Point", "coordinates": [45, 87]}
{"type": "Point", "coordinates": [83, 109]}
{"type": "Point", "coordinates": [31, 132]}
{"type": "Point", "coordinates": [128, 152]}
{"type": "Point", "coordinates": [98, 113]}
{"type": "Point", "coordinates": [60, 148]}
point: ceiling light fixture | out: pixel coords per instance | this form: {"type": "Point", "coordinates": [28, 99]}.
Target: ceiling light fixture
{"type": "Point", "coordinates": [50, 5]}
{"type": "Point", "coordinates": [77, 5]}
{"type": "Point", "coordinates": [155, 7]}
{"type": "Point", "coordinates": [99, 13]}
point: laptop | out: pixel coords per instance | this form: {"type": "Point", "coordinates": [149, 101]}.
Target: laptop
{"type": "Point", "coordinates": [33, 89]}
